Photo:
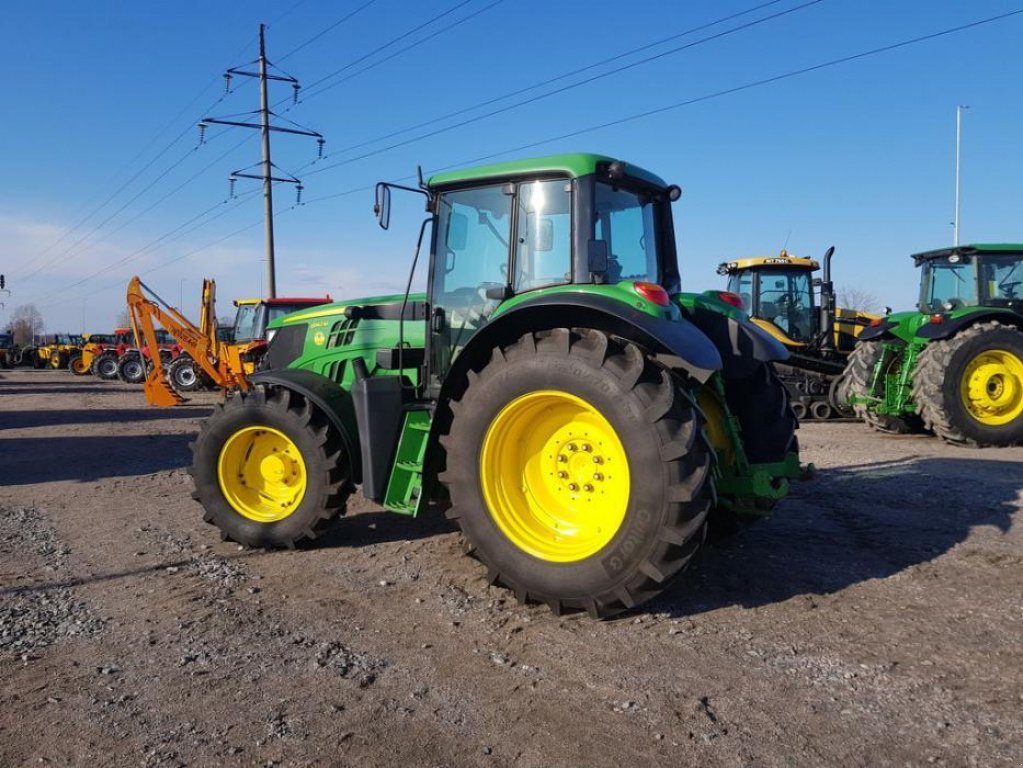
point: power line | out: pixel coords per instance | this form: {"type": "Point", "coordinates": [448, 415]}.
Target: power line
{"type": "Point", "coordinates": [81, 222]}
{"type": "Point", "coordinates": [548, 81]}
{"type": "Point", "coordinates": [138, 195]}
{"type": "Point", "coordinates": [386, 45]}
{"type": "Point", "coordinates": [407, 48]}
{"type": "Point", "coordinates": [332, 27]}
{"type": "Point", "coordinates": [563, 89]}
{"type": "Point", "coordinates": [698, 99]}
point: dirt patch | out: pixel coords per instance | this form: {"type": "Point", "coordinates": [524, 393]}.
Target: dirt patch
{"type": "Point", "coordinates": [873, 620]}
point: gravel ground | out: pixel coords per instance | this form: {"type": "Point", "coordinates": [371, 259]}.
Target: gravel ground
{"type": "Point", "coordinates": [874, 620]}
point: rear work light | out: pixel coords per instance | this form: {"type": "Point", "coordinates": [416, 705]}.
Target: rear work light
{"type": "Point", "coordinates": [652, 292]}
{"type": "Point", "coordinates": [732, 298]}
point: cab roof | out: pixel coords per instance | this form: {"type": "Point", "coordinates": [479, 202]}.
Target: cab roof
{"type": "Point", "coordinates": [783, 259]}
{"type": "Point", "coordinates": [572, 165]}
{"type": "Point", "coordinates": [310, 301]}
{"type": "Point", "coordinates": [968, 250]}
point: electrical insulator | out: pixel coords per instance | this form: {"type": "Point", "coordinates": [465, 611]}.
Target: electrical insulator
{"type": "Point", "coordinates": [230, 189]}
{"type": "Point", "coordinates": [202, 133]}
{"type": "Point", "coordinates": [227, 82]}
{"type": "Point", "coordinates": [321, 142]}
{"type": "Point", "coordinates": [294, 95]}
{"type": "Point", "coordinates": [298, 195]}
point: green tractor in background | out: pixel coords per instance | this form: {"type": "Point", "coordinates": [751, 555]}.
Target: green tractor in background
{"type": "Point", "coordinates": [582, 418]}
{"type": "Point", "coordinates": [955, 366]}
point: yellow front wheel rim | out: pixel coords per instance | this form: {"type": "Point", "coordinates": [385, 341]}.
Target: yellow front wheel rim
{"type": "Point", "coordinates": [262, 474]}
{"type": "Point", "coordinates": [992, 387]}
{"type": "Point", "coordinates": [554, 476]}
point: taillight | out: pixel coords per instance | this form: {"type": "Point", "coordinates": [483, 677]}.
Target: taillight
{"type": "Point", "coordinates": [732, 298]}
{"type": "Point", "coordinates": [936, 319]}
{"type": "Point", "coordinates": [876, 322]}
{"type": "Point", "coordinates": [652, 292]}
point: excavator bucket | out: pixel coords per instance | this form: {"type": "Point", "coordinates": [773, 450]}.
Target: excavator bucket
{"type": "Point", "coordinates": [159, 392]}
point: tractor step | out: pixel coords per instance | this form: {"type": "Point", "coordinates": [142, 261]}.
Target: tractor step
{"type": "Point", "coordinates": [404, 488]}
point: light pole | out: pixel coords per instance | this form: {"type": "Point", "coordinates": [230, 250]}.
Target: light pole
{"type": "Point", "coordinates": [959, 132]}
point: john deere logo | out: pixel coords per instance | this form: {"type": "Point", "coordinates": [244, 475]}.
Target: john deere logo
{"type": "Point", "coordinates": [319, 338]}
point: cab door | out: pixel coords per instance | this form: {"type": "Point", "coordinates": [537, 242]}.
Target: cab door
{"type": "Point", "coordinates": [471, 254]}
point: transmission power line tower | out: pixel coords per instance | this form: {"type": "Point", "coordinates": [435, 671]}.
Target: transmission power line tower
{"type": "Point", "coordinates": [265, 128]}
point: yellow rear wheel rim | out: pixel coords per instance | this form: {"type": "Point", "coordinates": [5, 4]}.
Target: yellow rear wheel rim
{"type": "Point", "coordinates": [992, 387]}
{"type": "Point", "coordinates": [715, 426]}
{"type": "Point", "coordinates": [554, 476]}
{"type": "Point", "coordinates": [262, 474]}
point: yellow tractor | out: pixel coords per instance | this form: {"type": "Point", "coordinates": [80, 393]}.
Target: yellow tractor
{"type": "Point", "coordinates": [778, 292]}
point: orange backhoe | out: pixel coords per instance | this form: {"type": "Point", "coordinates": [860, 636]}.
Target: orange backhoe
{"type": "Point", "coordinates": [146, 308]}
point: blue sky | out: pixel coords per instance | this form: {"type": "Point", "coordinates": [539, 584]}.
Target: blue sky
{"type": "Point", "coordinates": [858, 155]}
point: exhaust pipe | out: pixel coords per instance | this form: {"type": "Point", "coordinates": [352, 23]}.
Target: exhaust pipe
{"type": "Point", "coordinates": [827, 318]}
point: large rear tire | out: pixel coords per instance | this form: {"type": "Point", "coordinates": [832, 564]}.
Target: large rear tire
{"type": "Point", "coordinates": [104, 366]}
{"type": "Point", "coordinates": [579, 471]}
{"type": "Point", "coordinates": [269, 469]}
{"type": "Point", "coordinates": [859, 372]}
{"type": "Point", "coordinates": [969, 388]}
{"type": "Point", "coordinates": [131, 369]}
{"type": "Point", "coordinates": [183, 374]}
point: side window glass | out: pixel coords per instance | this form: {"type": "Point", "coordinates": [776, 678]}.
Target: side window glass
{"type": "Point", "coordinates": [473, 232]}
{"type": "Point", "coordinates": [543, 254]}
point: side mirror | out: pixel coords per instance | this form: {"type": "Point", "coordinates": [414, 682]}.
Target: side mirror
{"type": "Point", "coordinates": [544, 235]}
{"type": "Point", "coordinates": [382, 206]}
{"type": "Point", "coordinates": [596, 256]}
{"type": "Point", "coordinates": [458, 231]}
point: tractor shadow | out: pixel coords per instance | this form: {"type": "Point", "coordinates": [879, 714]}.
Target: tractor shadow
{"type": "Point", "coordinates": [48, 418]}
{"type": "Point", "coordinates": [29, 460]}
{"type": "Point", "coordinates": [848, 526]}
{"type": "Point", "coordinates": [365, 528]}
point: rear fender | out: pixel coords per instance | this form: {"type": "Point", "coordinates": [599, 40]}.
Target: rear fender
{"type": "Point", "coordinates": [950, 326]}
{"type": "Point", "coordinates": [326, 395]}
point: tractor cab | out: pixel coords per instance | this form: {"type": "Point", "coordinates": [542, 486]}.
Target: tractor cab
{"type": "Point", "coordinates": [976, 276]}
{"type": "Point", "coordinates": [253, 315]}
{"type": "Point", "coordinates": [777, 291]}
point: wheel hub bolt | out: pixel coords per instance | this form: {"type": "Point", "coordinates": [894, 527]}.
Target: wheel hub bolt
{"type": "Point", "coordinates": [597, 476]}
{"type": "Point", "coordinates": [573, 486]}
{"type": "Point", "coordinates": [562, 458]}
{"type": "Point", "coordinates": [597, 460]}
{"type": "Point", "coordinates": [562, 474]}
{"type": "Point", "coordinates": [572, 447]}
{"type": "Point", "coordinates": [588, 488]}
{"type": "Point", "coordinates": [587, 447]}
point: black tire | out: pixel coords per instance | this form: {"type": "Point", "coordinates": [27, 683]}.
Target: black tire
{"type": "Point", "coordinates": [761, 404]}
{"type": "Point", "coordinates": [328, 469]}
{"type": "Point", "coordinates": [16, 357]}
{"type": "Point", "coordinates": [131, 369]}
{"type": "Point", "coordinates": [662, 434]}
{"type": "Point", "coordinates": [183, 374]}
{"type": "Point", "coordinates": [937, 383]}
{"type": "Point", "coordinates": [838, 397]}
{"type": "Point", "coordinates": [38, 363]}
{"type": "Point", "coordinates": [104, 366]}
{"type": "Point", "coordinates": [859, 371]}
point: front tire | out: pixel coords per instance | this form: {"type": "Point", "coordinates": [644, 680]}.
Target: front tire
{"type": "Point", "coordinates": [969, 388]}
{"type": "Point", "coordinates": [77, 365]}
{"type": "Point", "coordinates": [104, 366]}
{"type": "Point", "coordinates": [603, 527]}
{"type": "Point", "coordinates": [269, 469]}
{"type": "Point", "coordinates": [859, 372]}
{"type": "Point", "coordinates": [183, 374]}
{"type": "Point", "coordinates": [130, 368]}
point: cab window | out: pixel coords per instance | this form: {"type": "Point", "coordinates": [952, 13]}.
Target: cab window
{"type": "Point", "coordinates": [543, 252]}
{"type": "Point", "coordinates": [626, 221]}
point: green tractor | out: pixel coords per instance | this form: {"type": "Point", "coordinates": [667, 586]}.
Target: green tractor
{"type": "Point", "coordinates": [580, 417]}
{"type": "Point", "coordinates": [955, 366]}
